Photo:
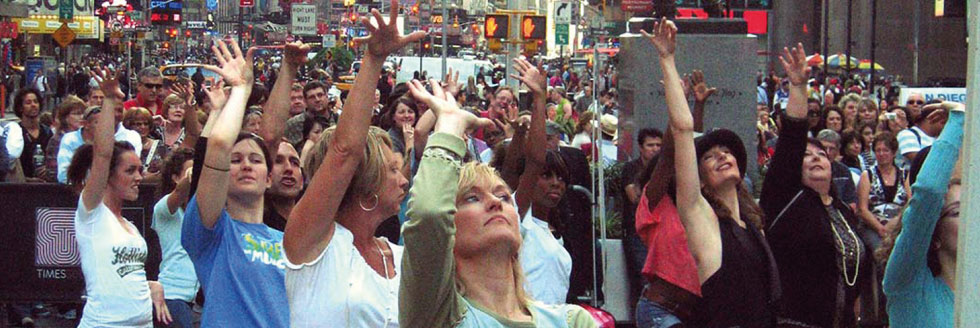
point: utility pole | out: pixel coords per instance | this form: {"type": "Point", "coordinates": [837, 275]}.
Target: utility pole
{"type": "Point", "coordinates": [445, 32]}
{"type": "Point", "coordinates": [874, 27]}
{"type": "Point", "coordinates": [513, 49]}
{"type": "Point", "coordinates": [850, 7]}
{"type": "Point", "coordinates": [966, 299]}
{"type": "Point", "coordinates": [826, 44]}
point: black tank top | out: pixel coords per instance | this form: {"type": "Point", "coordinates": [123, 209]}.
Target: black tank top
{"type": "Point", "coordinates": [739, 293]}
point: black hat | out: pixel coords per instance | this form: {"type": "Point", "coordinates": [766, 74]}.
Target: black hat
{"type": "Point", "coordinates": [722, 137]}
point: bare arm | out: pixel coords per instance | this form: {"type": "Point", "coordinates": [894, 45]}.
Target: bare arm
{"type": "Point", "coordinates": [276, 109]}
{"type": "Point", "coordinates": [864, 192]}
{"type": "Point", "coordinates": [422, 129]}
{"type": "Point", "coordinates": [797, 71]}
{"type": "Point", "coordinates": [700, 221]}
{"type": "Point", "coordinates": [192, 126]}
{"type": "Point", "coordinates": [311, 224]}
{"type": "Point", "coordinates": [179, 196]}
{"type": "Point", "coordinates": [102, 147]}
{"type": "Point", "coordinates": [236, 69]}
{"type": "Point", "coordinates": [535, 148]}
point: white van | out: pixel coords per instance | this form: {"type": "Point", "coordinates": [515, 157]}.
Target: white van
{"type": "Point", "coordinates": [433, 67]}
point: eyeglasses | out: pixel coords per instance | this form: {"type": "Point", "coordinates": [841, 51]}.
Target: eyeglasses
{"type": "Point", "coordinates": [153, 85]}
{"type": "Point", "coordinates": [916, 102]}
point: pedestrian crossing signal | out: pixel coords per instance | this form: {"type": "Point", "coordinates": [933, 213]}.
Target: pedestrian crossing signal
{"type": "Point", "coordinates": [496, 26]}
{"type": "Point", "coordinates": [533, 27]}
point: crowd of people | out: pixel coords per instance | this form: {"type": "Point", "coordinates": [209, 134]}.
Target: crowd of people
{"type": "Point", "coordinates": [283, 201]}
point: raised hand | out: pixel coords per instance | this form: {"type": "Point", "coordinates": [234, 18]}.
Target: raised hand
{"type": "Point", "coordinates": [451, 82]}
{"type": "Point", "coordinates": [295, 53]}
{"type": "Point", "coordinates": [236, 69]}
{"type": "Point", "coordinates": [217, 96]}
{"type": "Point", "coordinates": [664, 37]}
{"type": "Point", "coordinates": [183, 91]}
{"type": "Point", "coordinates": [108, 82]}
{"type": "Point", "coordinates": [794, 62]}
{"type": "Point", "coordinates": [450, 118]}
{"type": "Point", "coordinates": [946, 105]}
{"type": "Point", "coordinates": [384, 38]}
{"type": "Point", "coordinates": [531, 76]}
{"type": "Point", "coordinates": [699, 87]}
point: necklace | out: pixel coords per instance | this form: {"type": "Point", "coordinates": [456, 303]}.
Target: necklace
{"type": "Point", "coordinates": [857, 266]}
{"type": "Point", "coordinates": [384, 261]}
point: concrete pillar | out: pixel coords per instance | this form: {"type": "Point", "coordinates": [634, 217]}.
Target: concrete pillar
{"type": "Point", "coordinates": [968, 255]}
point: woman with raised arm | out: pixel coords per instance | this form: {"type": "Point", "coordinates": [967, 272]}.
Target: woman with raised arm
{"type": "Point", "coordinates": [920, 273]}
{"type": "Point", "coordinates": [814, 235]}
{"type": "Point", "coordinates": [339, 274]}
{"type": "Point", "coordinates": [461, 264]}
{"type": "Point", "coordinates": [543, 180]}
{"type": "Point", "coordinates": [108, 173]}
{"type": "Point", "coordinates": [236, 256]}
{"type": "Point", "coordinates": [739, 280]}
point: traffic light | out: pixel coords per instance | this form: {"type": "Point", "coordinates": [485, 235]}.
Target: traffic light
{"type": "Point", "coordinates": [496, 26]}
{"type": "Point", "coordinates": [187, 33]}
{"type": "Point", "coordinates": [533, 27]}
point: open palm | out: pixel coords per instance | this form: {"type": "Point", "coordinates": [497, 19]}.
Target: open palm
{"type": "Point", "coordinates": [664, 37]}
{"type": "Point", "coordinates": [385, 38]}
{"type": "Point", "coordinates": [108, 82]}
{"type": "Point", "coordinates": [794, 62]}
{"type": "Point", "coordinates": [236, 69]}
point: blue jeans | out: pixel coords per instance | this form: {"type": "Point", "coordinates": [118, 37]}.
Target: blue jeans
{"type": "Point", "coordinates": [181, 312]}
{"type": "Point", "coordinates": [651, 315]}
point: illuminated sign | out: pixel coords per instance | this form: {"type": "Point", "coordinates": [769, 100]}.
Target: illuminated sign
{"type": "Point", "coordinates": [166, 12]}
{"type": "Point", "coordinates": [496, 26]}
{"type": "Point", "coordinates": [533, 27]}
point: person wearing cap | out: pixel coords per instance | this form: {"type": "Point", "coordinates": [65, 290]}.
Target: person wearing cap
{"type": "Point", "coordinates": [607, 146]}
{"type": "Point", "coordinates": [814, 235]}
{"type": "Point", "coordinates": [72, 140]}
{"type": "Point", "coordinates": [738, 276]}
{"type": "Point", "coordinates": [927, 126]}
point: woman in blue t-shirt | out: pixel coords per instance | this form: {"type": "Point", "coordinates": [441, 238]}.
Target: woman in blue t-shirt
{"type": "Point", "coordinates": [236, 257]}
{"type": "Point", "coordinates": [113, 251]}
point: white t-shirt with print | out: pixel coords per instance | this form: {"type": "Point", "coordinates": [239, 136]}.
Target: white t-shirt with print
{"type": "Point", "coordinates": [339, 288]}
{"type": "Point", "coordinates": [112, 263]}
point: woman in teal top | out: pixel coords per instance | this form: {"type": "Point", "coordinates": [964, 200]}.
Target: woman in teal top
{"type": "Point", "coordinates": [460, 267]}
{"type": "Point", "coordinates": [919, 276]}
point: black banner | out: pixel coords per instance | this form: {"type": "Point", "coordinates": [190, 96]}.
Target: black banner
{"type": "Point", "coordinates": [39, 253]}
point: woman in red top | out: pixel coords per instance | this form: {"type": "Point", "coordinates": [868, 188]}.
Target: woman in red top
{"type": "Point", "coordinates": [672, 276]}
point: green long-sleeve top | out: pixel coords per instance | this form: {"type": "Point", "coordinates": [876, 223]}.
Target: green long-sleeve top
{"type": "Point", "coordinates": [916, 298]}
{"type": "Point", "coordinates": [428, 296]}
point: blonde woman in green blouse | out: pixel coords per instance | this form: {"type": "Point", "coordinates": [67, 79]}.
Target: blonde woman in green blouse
{"type": "Point", "coordinates": [460, 267]}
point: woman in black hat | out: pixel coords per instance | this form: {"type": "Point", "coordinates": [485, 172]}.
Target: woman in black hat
{"type": "Point", "coordinates": [739, 280]}
{"type": "Point", "coordinates": [813, 234]}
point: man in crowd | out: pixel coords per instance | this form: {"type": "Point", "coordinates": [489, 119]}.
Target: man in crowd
{"type": "Point", "coordinates": [73, 140]}
{"type": "Point", "coordinates": [914, 103]}
{"type": "Point", "coordinates": [297, 103]}
{"type": "Point", "coordinates": [927, 126]}
{"type": "Point", "coordinates": [315, 94]}
{"type": "Point", "coordinates": [151, 91]}
{"type": "Point", "coordinates": [95, 96]}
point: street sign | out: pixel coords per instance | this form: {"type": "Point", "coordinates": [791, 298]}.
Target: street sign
{"type": "Point", "coordinates": [66, 10]}
{"type": "Point", "coordinates": [246, 3]}
{"type": "Point", "coordinates": [561, 34]}
{"type": "Point", "coordinates": [116, 26]}
{"type": "Point", "coordinates": [195, 24]}
{"type": "Point", "coordinates": [63, 35]}
{"type": "Point", "coordinates": [303, 19]}
{"type": "Point", "coordinates": [563, 13]}
{"type": "Point", "coordinates": [135, 15]}
{"type": "Point", "coordinates": [329, 40]}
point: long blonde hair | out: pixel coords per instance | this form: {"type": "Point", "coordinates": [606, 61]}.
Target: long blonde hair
{"type": "Point", "coordinates": [475, 174]}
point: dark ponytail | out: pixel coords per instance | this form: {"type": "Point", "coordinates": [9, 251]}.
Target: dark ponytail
{"type": "Point", "coordinates": [81, 162]}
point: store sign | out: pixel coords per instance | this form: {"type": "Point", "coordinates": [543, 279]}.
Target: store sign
{"type": "Point", "coordinates": [195, 24]}
{"type": "Point", "coordinates": [85, 27]}
{"type": "Point", "coordinates": [53, 7]}
{"type": "Point", "coordinates": [303, 19]}
{"type": "Point", "coordinates": [246, 3]}
{"type": "Point", "coordinates": [166, 12]}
